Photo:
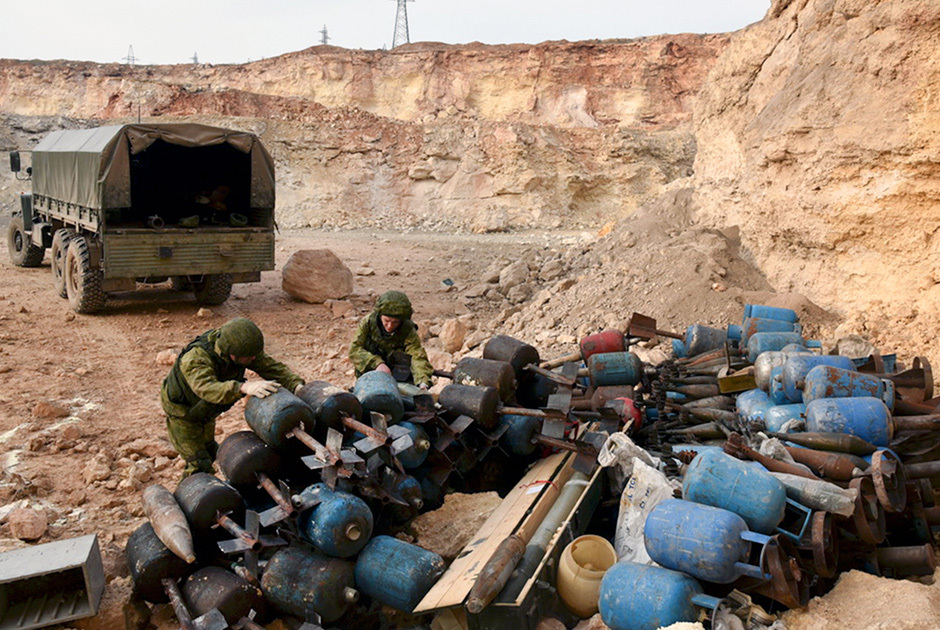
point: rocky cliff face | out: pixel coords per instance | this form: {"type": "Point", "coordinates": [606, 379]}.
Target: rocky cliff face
{"type": "Point", "coordinates": [473, 137]}
{"type": "Point", "coordinates": [818, 133]}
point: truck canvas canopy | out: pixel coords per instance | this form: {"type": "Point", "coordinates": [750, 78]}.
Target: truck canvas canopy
{"type": "Point", "coordinates": [93, 167]}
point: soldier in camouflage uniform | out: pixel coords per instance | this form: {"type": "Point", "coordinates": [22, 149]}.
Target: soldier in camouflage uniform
{"type": "Point", "coordinates": [207, 378]}
{"type": "Point", "coordinates": [387, 340]}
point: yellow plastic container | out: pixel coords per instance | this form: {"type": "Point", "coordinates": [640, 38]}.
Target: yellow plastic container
{"type": "Point", "coordinates": [582, 565]}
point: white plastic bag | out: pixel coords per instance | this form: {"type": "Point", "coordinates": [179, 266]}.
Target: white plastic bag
{"type": "Point", "coordinates": [645, 488]}
{"type": "Point", "coordinates": [618, 454]}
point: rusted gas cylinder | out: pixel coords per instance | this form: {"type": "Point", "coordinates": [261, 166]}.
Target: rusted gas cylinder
{"type": "Point", "coordinates": [202, 496]}
{"type": "Point", "coordinates": [339, 526]}
{"type": "Point", "coordinates": [778, 415]}
{"type": "Point", "coordinates": [378, 391]}
{"type": "Point", "coordinates": [214, 587]}
{"type": "Point", "coordinates": [824, 381]}
{"type": "Point", "coordinates": [519, 433]}
{"type": "Point", "coordinates": [762, 342]}
{"type": "Point", "coordinates": [866, 417]}
{"type": "Point", "coordinates": [797, 367]}
{"type": "Point", "coordinates": [770, 312]}
{"type": "Point", "coordinates": [700, 338]}
{"type": "Point", "coordinates": [243, 455]}
{"type": "Point", "coordinates": [480, 403]}
{"type": "Point", "coordinates": [487, 373]}
{"type": "Point", "coordinates": [615, 368]}
{"type": "Point", "coordinates": [298, 579]}
{"type": "Point", "coordinates": [397, 573]}
{"type": "Point", "coordinates": [753, 325]}
{"type": "Point", "coordinates": [637, 596]}
{"type": "Point", "coordinates": [417, 453]}
{"type": "Point", "coordinates": [274, 417]}
{"type": "Point", "coordinates": [767, 361]}
{"type": "Point", "coordinates": [330, 404]}
{"type": "Point", "coordinates": [517, 353]}
{"type": "Point", "coordinates": [149, 561]}
{"type": "Point", "coordinates": [408, 488]}
{"type": "Point", "coordinates": [601, 343]}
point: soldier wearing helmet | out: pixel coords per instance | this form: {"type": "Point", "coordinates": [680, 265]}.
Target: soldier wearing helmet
{"type": "Point", "coordinates": [387, 340]}
{"type": "Point", "coordinates": [207, 378]}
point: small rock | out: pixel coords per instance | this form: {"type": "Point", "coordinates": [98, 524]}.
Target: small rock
{"type": "Point", "coordinates": [23, 309]}
{"type": "Point", "coordinates": [452, 335]}
{"type": "Point", "coordinates": [719, 287]}
{"type": "Point", "coordinates": [98, 469]}
{"type": "Point", "coordinates": [46, 411]}
{"type": "Point", "coordinates": [167, 357]}
{"type": "Point", "coordinates": [365, 271]}
{"type": "Point", "coordinates": [341, 308]}
{"type": "Point", "coordinates": [204, 312]}
{"type": "Point", "coordinates": [513, 275]}
{"type": "Point", "coordinates": [69, 316]}
{"type": "Point", "coordinates": [27, 524]}
{"type": "Point", "coordinates": [81, 371]}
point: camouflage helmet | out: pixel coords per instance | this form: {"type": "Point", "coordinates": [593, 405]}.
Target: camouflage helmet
{"type": "Point", "coordinates": [240, 337]}
{"type": "Point", "coordinates": [394, 304]}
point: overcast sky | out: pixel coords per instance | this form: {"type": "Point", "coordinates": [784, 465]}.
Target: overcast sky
{"type": "Point", "coordinates": [236, 31]}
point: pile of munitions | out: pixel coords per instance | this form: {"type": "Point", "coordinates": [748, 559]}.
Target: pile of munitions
{"type": "Point", "coordinates": [794, 466]}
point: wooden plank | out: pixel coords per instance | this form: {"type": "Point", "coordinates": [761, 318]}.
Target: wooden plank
{"type": "Point", "coordinates": [455, 584]}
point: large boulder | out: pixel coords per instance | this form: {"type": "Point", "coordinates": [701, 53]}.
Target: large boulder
{"type": "Point", "coordinates": [316, 275]}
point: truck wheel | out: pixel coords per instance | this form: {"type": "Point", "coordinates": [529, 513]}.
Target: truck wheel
{"type": "Point", "coordinates": [60, 246]}
{"type": "Point", "coordinates": [22, 251]}
{"type": "Point", "coordinates": [82, 282]}
{"type": "Point", "coordinates": [213, 289]}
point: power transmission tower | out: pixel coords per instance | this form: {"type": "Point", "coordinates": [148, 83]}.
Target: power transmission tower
{"type": "Point", "coordinates": [195, 58]}
{"type": "Point", "coordinates": [324, 38]}
{"type": "Point", "coordinates": [130, 58]}
{"type": "Point", "coordinates": [401, 24]}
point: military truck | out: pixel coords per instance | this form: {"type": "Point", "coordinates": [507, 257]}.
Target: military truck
{"type": "Point", "coordinates": [123, 204]}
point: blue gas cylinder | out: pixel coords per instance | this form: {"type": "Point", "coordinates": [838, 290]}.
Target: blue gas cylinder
{"type": "Point", "coordinates": [752, 404]}
{"type": "Point", "coordinates": [865, 417]}
{"type": "Point", "coordinates": [519, 433]}
{"type": "Point", "coordinates": [275, 416]}
{"type": "Point", "coordinates": [615, 368]}
{"type": "Point", "coordinates": [778, 415]}
{"type": "Point", "coordinates": [678, 349]}
{"type": "Point", "coordinates": [706, 542]}
{"type": "Point", "coordinates": [761, 342]}
{"type": "Point", "coordinates": [777, 392]}
{"type": "Point", "coordinates": [824, 381]}
{"type": "Point", "coordinates": [770, 312]}
{"type": "Point", "coordinates": [720, 480]}
{"type": "Point", "coordinates": [643, 597]}
{"type": "Point", "coordinates": [297, 580]}
{"type": "Point", "coordinates": [753, 325]}
{"type": "Point", "coordinates": [699, 339]}
{"type": "Point", "coordinates": [414, 455]}
{"type": "Point", "coordinates": [339, 526]}
{"type": "Point", "coordinates": [797, 367]}
{"type": "Point", "coordinates": [378, 391]}
{"type": "Point", "coordinates": [396, 573]}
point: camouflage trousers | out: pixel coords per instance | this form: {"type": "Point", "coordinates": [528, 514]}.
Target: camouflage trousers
{"type": "Point", "coordinates": [195, 442]}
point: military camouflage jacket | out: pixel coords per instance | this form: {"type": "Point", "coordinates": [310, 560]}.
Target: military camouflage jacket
{"type": "Point", "coordinates": [372, 346]}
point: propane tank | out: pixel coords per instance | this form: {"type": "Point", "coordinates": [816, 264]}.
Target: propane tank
{"type": "Point", "coordinates": [214, 587]}
{"type": "Point", "coordinates": [601, 343]}
{"type": "Point", "coordinates": [778, 415]}
{"type": "Point", "coordinates": [378, 391]}
{"type": "Point", "coordinates": [752, 325]}
{"type": "Point", "coordinates": [762, 342]}
{"type": "Point", "coordinates": [644, 597]}
{"type": "Point", "coordinates": [824, 381]}
{"type": "Point", "coordinates": [517, 353]}
{"type": "Point", "coordinates": [615, 368]}
{"type": "Point", "coordinates": [297, 579]}
{"type": "Point", "coordinates": [865, 417]}
{"type": "Point", "coordinates": [202, 497]}
{"type": "Point", "coordinates": [752, 404]}
{"type": "Point", "coordinates": [480, 403]}
{"type": "Point", "coordinates": [699, 339]}
{"type": "Point", "coordinates": [275, 416]}
{"type": "Point", "coordinates": [519, 433]}
{"type": "Point", "coordinates": [149, 562]}
{"type": "Point", "coordinates": [339, 526]}
{"type": "Point", "coordinates": [797, 367]}
{"type": "Point", "coordinates": [417, 453]}
{"type": "Point", "coordinates": [487, 373]}
{"type": "Point", "coordinates": [396, 573]}
{"type": "Point", "coordinates": [330, 404]}
{"type": "Point", "coordinates": [243, 455]}
{"type": "Point", "coordinates": [770, 312]}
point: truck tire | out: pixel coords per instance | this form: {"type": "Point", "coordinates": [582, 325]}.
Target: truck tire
{"type": "Point", "coordinates": [82, 282]}
{"type": "Point", "coordinates": [22, 251]}
{"type": "Point", "coordinates": [213, 290]}
{"type": "Point", "coordinates": [60, 246]}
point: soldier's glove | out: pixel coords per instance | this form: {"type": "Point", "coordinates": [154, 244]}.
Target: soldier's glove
{"type": "Point", "coordinates": [259, 389]}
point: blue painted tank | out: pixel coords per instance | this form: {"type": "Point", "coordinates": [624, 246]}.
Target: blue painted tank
{"type": "Point", "coordinates": [699, 339]}
{"type": "Point", "coordinates": [865, 417]}
{"type": "Point", "coordinates": [298, 579]}
{"type": "Point", "coordinates": [824, 381]}
{"type": "Point", "coordinates": [414, 455]}
{"type": "Point", "coordinates": [777, 392]}
{"type": "Point", "coordinates": [761, 342]}
{"type": "Point", "coordinates": [720, 480]}
{"type": "Point", "coordinates": [615, 368]}
{"type": "Point", "coordinates": [378, 391]}
{"type": "Point", "coordinates": [273, 417]}
{"type": "Point", "coordinates": [753, 325]}
{"type": "Point", "coordinates": [777, 416]}
{"type": "Point", "coordinates": [706, 542]}
{"type": "Point", "coordinates": [752, 404]}
{"type": "Point", "coordinates": [797, 367]}
{"type": "Point", "coordinates": [339, 526]}
{"type": "Point", "coordinates": [396, 573]}
{"type": "Point", "coordinates": [770, 312]}
{"type": "Point", "coordinates": [767, 361]}
{"type": "Point", "coordinates": [519, 433]}
{"type": "Point", "coordinates": [408, 489]}
{"type": "Point", "coordinates": [643, 597]}
{"type": "Point", "coordinates": [678, 349]}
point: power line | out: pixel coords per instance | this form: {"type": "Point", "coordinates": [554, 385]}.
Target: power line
{"type": "Point", "coordinates": [401, 24]}
{"type": "Point", "coordinates": [195, 58]}
{"type": "Point", "coordinates": [324, 38]}
{"type": "Point", "coordinates": [130, 58]}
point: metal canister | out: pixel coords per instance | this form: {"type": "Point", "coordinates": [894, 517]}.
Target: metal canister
{"type": "Point", "coordinates": [601, 343]}
{"type": "Point", "coordinates": [331, 404]}
{"type": "Point", "coordinates": [767, 361]}
{"type": "Point", "coordinates": [339, 526]}
{"type": "Point", "coordinates": [796, 368]}
{"type": "Point", "coordinates": [214, 587]}
{"type": "Point", "coordinates": [298, 579]}
{"type": "Point", "coordinates": [778, 415]}
{"type": "Point", "coordinates": [378, 391]}
{"type": "Point", "coordinates": [754, 325]}
{"type": "Point", "coordinates": [149, 562]}
{"type": "Point", "coordinates": [396, 573]}
{"type": "Point", "coordinates": [519, 433]}
{"type": "Point", "coordinates": [699, 339]}
{"type": "Point", "coordinates": [644, 597]}
{"type": "Point", "coordinates": [243, 455]}
{"type": "Point", "coordinates": [417, 453]}
{"type": "Point", "coordinates": [770, 312]}
{"type": "Point", "coordinates": [824, 381]}
{"type": "Point", "coordinates": [865, 417]}
{"type": "Point", "coordinates": [706, 542]}
{"type": "Point", "coordinates": [480, 403]}
{"type": "Point", "coordinates": [753, 404]}
{"type": "Point", "coordinates": [720, 480]}
{"type": "Point", "coordinates": [517, 353]}
{"type": "Point", "coordinates": [275, 416]}
{"type": "Point", "coordinates": [487, 373]}
{"type": "Point", "coordinates": [203, 496]}
{"type": "Point", "coordinates": [762, 342]}
{"type": "Point", "coordinates": [409, 489]}
{"type": "Point", "coordinates": [615, 368]}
